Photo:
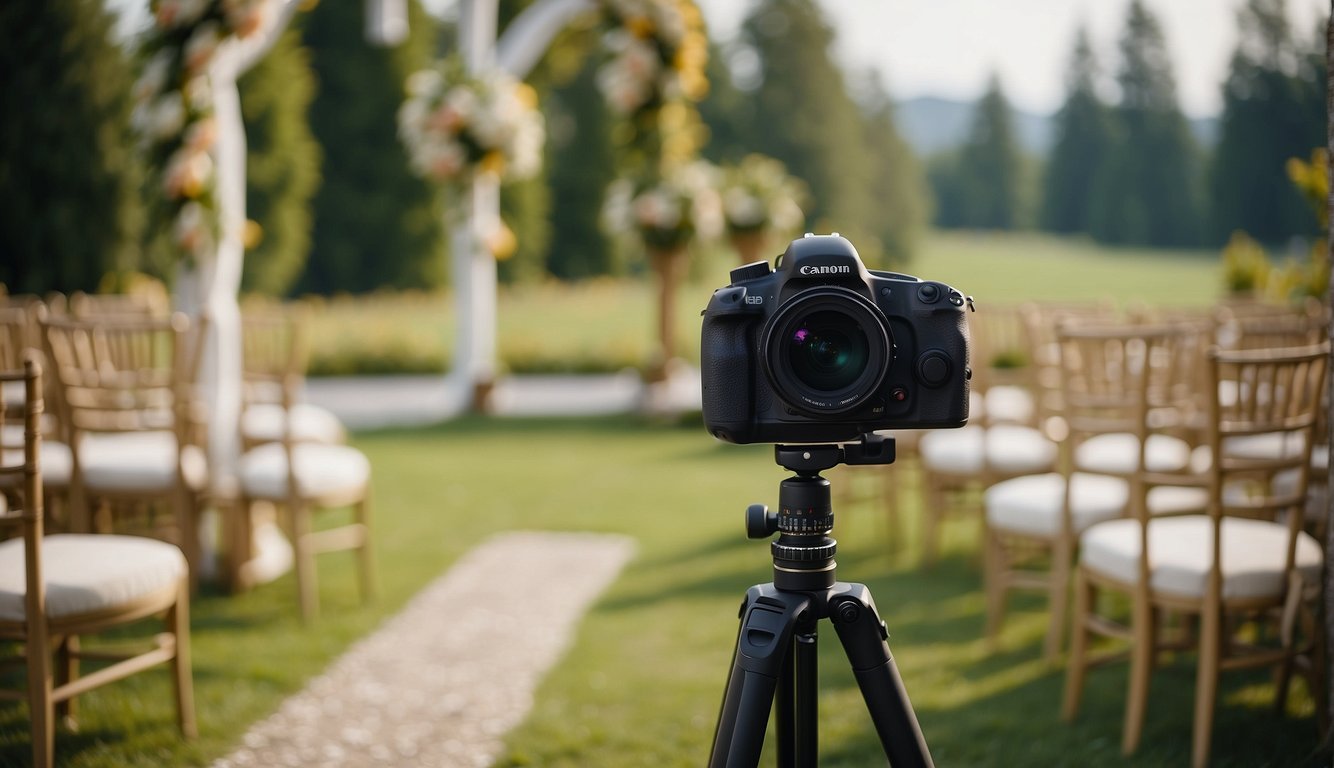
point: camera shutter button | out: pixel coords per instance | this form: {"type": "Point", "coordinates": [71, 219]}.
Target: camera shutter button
{"type": "Point", "coordinates": [928, 293]}
{"type": "Point", "coordinates": [934, 368]}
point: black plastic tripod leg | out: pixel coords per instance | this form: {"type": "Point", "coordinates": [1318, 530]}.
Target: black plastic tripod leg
{"type": "Point", "coordinates": [768, 621]}
{"type": "Point", "coordinates": [865, 641]}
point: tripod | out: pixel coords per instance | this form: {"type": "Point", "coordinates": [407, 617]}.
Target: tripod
{"type": "Point", "coordinates": [774, 665]}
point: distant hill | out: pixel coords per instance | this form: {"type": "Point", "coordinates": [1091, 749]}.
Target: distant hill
{"type": "Point", "coordinates": [932, 125]}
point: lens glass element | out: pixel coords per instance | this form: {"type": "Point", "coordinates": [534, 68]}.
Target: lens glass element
{"type": "Point", "coordinates": [828, 351]}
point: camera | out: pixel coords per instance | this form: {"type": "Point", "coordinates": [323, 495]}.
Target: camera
{"type": "Point", "coordinates": [819, 349]}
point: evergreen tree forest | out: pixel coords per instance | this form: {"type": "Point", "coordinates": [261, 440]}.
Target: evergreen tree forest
{"type": "Point", "coordinates": [339, 210]}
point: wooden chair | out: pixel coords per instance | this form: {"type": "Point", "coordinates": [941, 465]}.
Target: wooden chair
{"type": "Point", "coordinates": [272, 340]}
{"type": "Point", "coordinates": [20, 332]}
{"type": "Point", "coordinates": [999, 442]}
{"type": "Point", "coordinates": [126, 388]}
{"type": "Point", "coordinates": [55, 589]}
{"type": "Point", "coordinates": [1245, 561]}
{"type": "Point", "coordinates": [122, 306]}
{"type": "Point", "coordinates": [1115, 381]}
{"type": "Point", "coordinates": [301, 478]}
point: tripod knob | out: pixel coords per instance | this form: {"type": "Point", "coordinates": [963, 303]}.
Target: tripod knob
{"type": "Point", "coordinates": [760, 522]}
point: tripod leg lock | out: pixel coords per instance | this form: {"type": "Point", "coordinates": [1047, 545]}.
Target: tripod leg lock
{"type": "Point", "coordinates": [768, 619]}
{"type": "Point", "coordinates": [859, 626]}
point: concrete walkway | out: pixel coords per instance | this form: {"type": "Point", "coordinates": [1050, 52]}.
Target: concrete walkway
{"type": "Point", "coordinates": [441, 683]}
{"type": "Point", "coordinates": [371, 402]}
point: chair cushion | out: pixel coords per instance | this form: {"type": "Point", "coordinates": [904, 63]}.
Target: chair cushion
{"type": "Point", "coordinates": [1181, 554]}
{"type": "Point", "coordinates": [266, 423]}
{"type": "Point", "coordinates": [1177, 500]}
{"type": "Point", "coordinates": [85, 573]}
{"type": "Point", "coordinates": [1032, 505]}
{"type": "Point", "coordinates": [321, 471]}
{"type": "Point", "coordinates": [130, 461]}
{"type": "Point", "coordinates": [1006, 449]}
{"type": "Point", "coordinates": [1117, 453]}
{"type": "Point", "coordinates": [56, 460]}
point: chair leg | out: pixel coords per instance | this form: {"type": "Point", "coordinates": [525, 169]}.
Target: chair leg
{"type": "Point", "coordinates": [1076, 667]}
{"type": "Point", "coordinates": [366, 552]}
{"type": "Point", "coordinates": [1058, 597]}
{"type": "Point", "coordinates": [1142, 651]}
{"type": "Point", "coordinates": [304, 557]}
{"type": "Point", "coordinates": [240, 528]}
{"type": "Point", "coordinates": [187, 522]}
{"type": "Point", "coordinates": [67, 670]}
{"type": "Point", "coordinates": [1206, 684]}
{"type": "Point", "coordinates": [932, 512]}
{"type": "Point", "coordinates": [178, 623]}
{"type": "Point", "coordinates": [994, 568]}
{"type": "Point", "coordinates": [42, 709]}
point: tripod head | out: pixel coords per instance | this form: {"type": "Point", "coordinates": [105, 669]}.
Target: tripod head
{"type": "Point", "coordinates": [804, 552]}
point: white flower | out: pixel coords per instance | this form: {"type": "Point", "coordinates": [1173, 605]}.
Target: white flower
{"type": "Point", "coordinates": [162, 118]}
{"type": "Point", "coordinates": [424, 82]}
{"type": "Point", "coordinates": [179, 13]}
{"type": "Point", "coordinates": [154, 77]}
{"type": "Point", "coordinates": [203, 43]}
{"type": "Point", "coordinates": [188, 173]}
{"type": "Point", "coordinates": [192, 232]}
{"type": "Point", "coordinates": [198, 93]}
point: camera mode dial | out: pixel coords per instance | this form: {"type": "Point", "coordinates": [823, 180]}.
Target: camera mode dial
{"type": "Point", "coordinates": [750, 271]}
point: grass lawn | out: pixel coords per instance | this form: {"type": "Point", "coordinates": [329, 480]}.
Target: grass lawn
{"type": "Point", "coordinates": [642, 683]}
{"type": "Point", "coordinates": [608, 325]}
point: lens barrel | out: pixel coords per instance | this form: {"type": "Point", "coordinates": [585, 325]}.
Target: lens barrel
{"type": "Point", "coordinates": [827, 350]}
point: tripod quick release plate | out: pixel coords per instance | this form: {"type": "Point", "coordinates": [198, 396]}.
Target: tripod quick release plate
{"type": "Point", "coordinates": [810, 459]}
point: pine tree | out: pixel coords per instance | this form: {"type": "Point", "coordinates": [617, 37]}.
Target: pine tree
{"type": "Point", "coordinates": [802, 115]}
{"type": "Point", "coordinates": [1083, 138]}
{"type": "Point", "coordinates": [376, 224]}
{"type": "Point", "coordinates": [897, 186]}
{"type": "Point", "coordinates": [990, 165]}
{"type": "Point", "coordinates": [68, 175]}
{"type": "Point", "coordinates": [1266, 120]}
{"type": "Point", "coordinates": [1146, 193]}
{"type": "Point", "coordinates": [282, 164]}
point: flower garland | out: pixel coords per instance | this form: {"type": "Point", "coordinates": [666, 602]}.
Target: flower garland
{"type": "Point", "coordinates": [173, 112]}
{"type": "Point", "coordinates": [758, 195]}
{"type": "Point", "coordinates": [670, 211]}
{"type": "Point", "coordinates": [455, 125]}
{"type": "Point", "coordinates": [658, 51]}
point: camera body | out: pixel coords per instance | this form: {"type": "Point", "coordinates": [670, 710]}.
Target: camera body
{"type": "Point", "coordinates": [823, 350]}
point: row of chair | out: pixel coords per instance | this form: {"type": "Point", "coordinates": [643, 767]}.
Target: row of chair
{"type": "Point", "coordinates": [1166, 457]}
{"type": "Point", "coordinates": [123, 458]}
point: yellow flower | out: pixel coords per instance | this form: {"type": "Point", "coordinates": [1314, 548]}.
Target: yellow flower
{"type": "Point", "coordinates": [493, 162]}
{"type": "Point", "coordinates": [501, 242]}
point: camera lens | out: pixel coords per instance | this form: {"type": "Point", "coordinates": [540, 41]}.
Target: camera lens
{"type": "Point", "coordinates": [827, 350]}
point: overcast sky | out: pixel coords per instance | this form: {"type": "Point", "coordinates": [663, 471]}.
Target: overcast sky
{"type": "Point", "coordinates": [950, 47]}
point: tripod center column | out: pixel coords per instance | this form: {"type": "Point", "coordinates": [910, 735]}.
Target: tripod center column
{"type": "Point", "coordinates": [804, 553]}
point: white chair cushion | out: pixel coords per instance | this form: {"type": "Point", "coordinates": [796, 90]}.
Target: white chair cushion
{"type": "Point", "coordinates": [56, 460]}
{"type": "Point", "coordinates": [130, 461]}
{"type": "Point", "coordinates": [321, 471]}
{"type": "Point", "coordinates": [1032, 505]}
{"type": "Point", "coordinates": [1177, 500]}
{"type": "Point", "coordinates": [85, 573]}
{"type": "Point", "coordinates": [1272, 445]}
{"type": "Point", "coordinates": [1181, 554]}
{"type": "Point", "coordinates": [1009, 404]}
{"type": "Point", "coordinates": [1007, 449]}
{"type": "Point", "coordinates": [1118, 453]}
{"type": "Point", "coordinates": [266, 422]}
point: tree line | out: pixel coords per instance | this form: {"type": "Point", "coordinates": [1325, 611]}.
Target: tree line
{"type": "Point", "coordinates": [1128, 170]}
{"type": "Point", "coordinates": [338, 210]}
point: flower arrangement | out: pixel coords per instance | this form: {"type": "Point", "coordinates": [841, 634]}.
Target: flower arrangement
{"type": "Point", "coordinates": [173, 112]}
{"type": "Point", "coordinates": [758, 195]}
{"type": "Point", "coordinates": [658, 49]}
{"type": "Point", "coordinates": [669, 211]}
{"type": "Point", "coordinates": [455, 125]}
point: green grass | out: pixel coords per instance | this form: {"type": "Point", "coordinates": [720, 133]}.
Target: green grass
{"type": "Point", "coordinates": [608, 325]}
{"type": "Point", "coordinates": [642, 682]}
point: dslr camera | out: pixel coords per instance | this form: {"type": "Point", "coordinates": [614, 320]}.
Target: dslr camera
{"type": "Point", "coordinates": [822, 350]}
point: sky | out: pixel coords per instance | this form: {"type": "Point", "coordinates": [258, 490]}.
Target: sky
{"type": "Point", "coordinates": [950, 48]}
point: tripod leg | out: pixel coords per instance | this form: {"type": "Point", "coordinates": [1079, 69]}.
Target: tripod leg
{"type": "Point", "coordinates": [768, 621]}
{"type": "Point", "coordinates": [864, 641]}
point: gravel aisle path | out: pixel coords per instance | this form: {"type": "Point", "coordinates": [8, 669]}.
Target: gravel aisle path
{"type": "Point", "coordinates": [443, 681]}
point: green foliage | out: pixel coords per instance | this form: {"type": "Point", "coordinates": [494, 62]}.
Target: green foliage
{"type": "Point", "coordinates": [897, 185]}
{"type": "Point", "coordinates": [1083, 140]}
{"type": "Point", "coordinates": [990, 170]}
{"type": "Point", "coordinates": [376, 224]}
{"type": "Point", "coordinates": [1273, 109]}
{"type": "Point", "coordinates": [802, 115]}
{"type": "Point", "coordinates": [282, 164]}
{"type": "Point", "coordinates": [1147, 191]}
{"type": "Point", "coordinates": [68, 175]}
{"type": "Point", "coordinates": [580, 165]}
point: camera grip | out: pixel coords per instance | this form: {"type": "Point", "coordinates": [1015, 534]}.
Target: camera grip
{"type": "Point", "coordinates": [726, 376]}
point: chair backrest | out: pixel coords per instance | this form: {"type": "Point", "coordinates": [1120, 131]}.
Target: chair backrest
{"type": "Point", "coordinates": [274, 354]}
{"type": "Point", "coordinates": [125, 306]}
{"type": "Point", "coordinates": [123, 375]}
{"type": "Point", "coordinates": [1266, 410]}
{"type": "Point", "coordinates": [24, 424]}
